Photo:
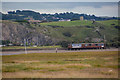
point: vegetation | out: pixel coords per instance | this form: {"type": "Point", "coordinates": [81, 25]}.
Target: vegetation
{"type": "Point", "coordinates": [63, 44]}
{"type": "Point", "coordinates": [30, 47]}
{"type": "Point", "coordinates": [4, 42]}
{"type": "Point", "coordinates": [65, 65]}
{"type": "Point", "coordinates": [25, 14]}
{"type": "Point", "coordinates": [25, 21]}
{"type": "Point", "coordinates": [70, 31]}
{"type": "Point", "coordinates": [67, 34]}
{"type": "Point", "coordinates": [69, 23]}
{"type": "Point", "coordinates": [85, 31]}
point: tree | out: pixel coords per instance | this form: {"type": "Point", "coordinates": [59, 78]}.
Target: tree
{"type": "Point", "coordinates": [5, 42]}
{"type": "Point", "coordinates": [67, 34]}
{"type": "Point", "coordinates": [64, 43]}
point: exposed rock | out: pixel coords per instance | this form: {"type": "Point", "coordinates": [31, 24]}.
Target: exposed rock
{"type": "Point", "coordinates": [97, 39]}
{"type": "Point", "coordinates": [16, 33]}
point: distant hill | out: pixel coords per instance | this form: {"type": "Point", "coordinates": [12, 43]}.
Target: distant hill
{"type": "Point", "coordinates": [68, 31]}
{"type": "Point", "coordinates": [81, 30]}
{"type": "Point", "coordinates": [26, 14]}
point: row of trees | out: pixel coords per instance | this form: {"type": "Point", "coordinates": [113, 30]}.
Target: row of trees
{"type": "Point", "coordinates": [20, 15]}
{"type": "Point", "coordinates": [63, 43]}
{"type": "Point", "coordinates": [108, 44]}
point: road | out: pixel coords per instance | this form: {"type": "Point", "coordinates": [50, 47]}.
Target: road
{"type": "Point", "coordinates": [53, 51]}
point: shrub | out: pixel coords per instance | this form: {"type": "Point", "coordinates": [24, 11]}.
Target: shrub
{"type": "Point", "coordinates": [64, 43]}
{"type": "Point", "coordinates": [67, 34]}
{"type": "Point", "coordinates": [22, 21]}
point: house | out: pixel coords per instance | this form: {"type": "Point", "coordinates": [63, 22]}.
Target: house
{"type": "Point", "coordinates": [81, 18]}
{"type": "Point", "coordinates": [64, 20]}
{"type": "Point", "coordinates": [2, 45]}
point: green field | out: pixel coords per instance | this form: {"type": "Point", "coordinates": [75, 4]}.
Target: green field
{"type": "Point", "coordinates": [71, 31]}
{"type": "Point", "coordinates": [68, 23]}
{"type": "Point", "coordinates": [80, 30]}
{"type": "Point", "coordinates": [79, 23]}
{"type": "Point", "coordinates": [29, 47]}
{"type": "Point", "coordinates": [102, 64]}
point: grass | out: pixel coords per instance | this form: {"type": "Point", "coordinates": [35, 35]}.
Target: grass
{"type": "Point", "coordinates": [97, 59]}
{"type": "Point", "coordinates": [68, 23]}
{"type": "Point", "coordinates": [29, 47]}
{"type": "Point", "coordinates": [80, 23]}
{"type": "Point", "coordinates": [76, 67]}
{"type": "Point", "coordinates": [79, 30]}
{"type": "Point", "coordinates": [46, 63]}
{"type": "Point", "coordinates": [109, 22]}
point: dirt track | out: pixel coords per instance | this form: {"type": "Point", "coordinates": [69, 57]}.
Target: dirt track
{"type": "Point", "coordinates": [54, 51]}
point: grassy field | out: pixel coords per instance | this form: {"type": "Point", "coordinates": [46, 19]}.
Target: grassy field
{"type": "Point", "coordinates": [80, 23]}
{"type": "Point", "coordinates": [61, 65]}
{"type": "Point", "coordinates": [75, 31]}
{"type": "Point", "coordinates": [29, 47]}
{"type": "Point", "coordinates": [80, 30]}
{"type": "Point", "coordinates": [68, 23]}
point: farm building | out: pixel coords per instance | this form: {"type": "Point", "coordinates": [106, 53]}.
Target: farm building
{"type": "Point", "coordinates": [81, 18]}
{"type": "Point", "coordinates": [65, 20]}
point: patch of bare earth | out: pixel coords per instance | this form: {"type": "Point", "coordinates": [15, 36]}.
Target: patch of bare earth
{"type": "Point", "coordinates": [26, 61]}
{"type": "Point", "coordinates": [84, 65]}
{"type": "Point", "coordinates": [86, 73]}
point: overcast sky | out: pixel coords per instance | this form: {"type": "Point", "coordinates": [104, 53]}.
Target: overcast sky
{"type": "Point", "coordinates": [60, 0]}
{"type": "Point", "coordinates": [96, 8]}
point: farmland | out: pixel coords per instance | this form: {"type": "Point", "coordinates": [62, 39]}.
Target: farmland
{"type": "Point", "coordinates": [52, 33]}
{"type": "Point", "coordinates": [80, 23]}
{"type": "Point", "coordinates": [68, 64]}
{"type": "Point", "coordinates": [62, 65]}
{"type": "Point", "coordinates": [29, 47]}
{"type": "Point", "coordinates": [80, 30]}
{"type": "Point", "coordinates": [69, 23]}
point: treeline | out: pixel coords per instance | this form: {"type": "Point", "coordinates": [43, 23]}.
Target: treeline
{"type": "Point", "coordinates": [24, 14]}
{"type": "Point", "coordinates": [115, 44]}
{"type": "Point", "coordinates": [111, 43]}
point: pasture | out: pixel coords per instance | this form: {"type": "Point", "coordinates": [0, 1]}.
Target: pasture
{"type": "Point", "coordinates": [68, 23]}
{"type": "Point", "coordinates": [79, 30]}
{"type": "Point", "coordinates": [29, 47]}
{"type": "Point", "coordinates": [97, 64]}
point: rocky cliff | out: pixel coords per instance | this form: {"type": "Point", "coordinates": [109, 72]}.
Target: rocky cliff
{"type": "Point", "coordinates": [16, 33]}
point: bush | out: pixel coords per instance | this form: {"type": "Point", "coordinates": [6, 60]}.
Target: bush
{"type": "Point", "coordinates": [117, 27]}
{"type": "Point", "coordinates": [22, 21]}
{"type": "Point", "coordinates": [67, 34]}
{"type": "Point", "coordinates": [64, 43]}
{"type": "Point", "coordinates": [5, 42]}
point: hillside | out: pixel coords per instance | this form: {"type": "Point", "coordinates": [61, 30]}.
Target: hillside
{"type": "Point", "coordinates": [15, 33]}
{"type": "Point", "coordinates": [69, 23]}
{"type": "Point", "coordinates": [81, 30]}
{"type": "Point", "coordinates": [70, 31]}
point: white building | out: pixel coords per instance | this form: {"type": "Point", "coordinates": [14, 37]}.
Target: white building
{"type": "Point", "coordinates": [65, 20]}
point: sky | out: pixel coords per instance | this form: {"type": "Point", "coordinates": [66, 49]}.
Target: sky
{"type": "Point", "coordinates": [60, 0]}
{"type": "Point", "coordinates": [97, 8]}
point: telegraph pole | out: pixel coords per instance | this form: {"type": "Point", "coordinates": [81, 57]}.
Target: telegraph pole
{"type": "Point", "coordinates": [25, 46]}
{"type": "Point", "coordinates": [37, 41]}
{"type": "Point", "coordinates": [104, 42]}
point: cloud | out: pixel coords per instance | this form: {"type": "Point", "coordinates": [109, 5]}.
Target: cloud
{"type": "Point", "coordinates": [60, 0]}
{"type": "Point", "coordinates": [103, 11]}
{"type": "Point", "coordinates": [99, 9]}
